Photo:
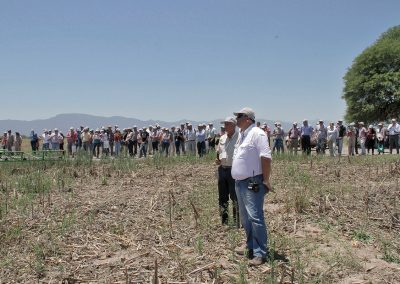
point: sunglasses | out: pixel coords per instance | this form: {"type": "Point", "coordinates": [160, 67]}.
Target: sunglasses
{"type": "Point", "coordinates": [240, 115]}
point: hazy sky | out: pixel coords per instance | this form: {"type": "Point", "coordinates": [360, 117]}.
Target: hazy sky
{"type": "Point", "coordinates": [171, 60]}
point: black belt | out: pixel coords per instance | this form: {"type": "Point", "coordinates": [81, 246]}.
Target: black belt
{"type": "Point", "coordinates": [251, 177]}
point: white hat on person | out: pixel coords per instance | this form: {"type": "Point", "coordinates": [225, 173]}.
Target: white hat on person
{"type": "Point", "coordinates": [229, 119]}
{"type": "Point", "coordinates": [246, 111]}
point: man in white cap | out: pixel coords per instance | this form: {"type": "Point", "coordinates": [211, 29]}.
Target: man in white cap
{"type": "Point", "coordinates": [279, 135]}
{"type": "Point", "coordinates": [190, 140]}
{"type": "Point", "coordinates": [201, 140]}
{"type": "Point", "coordinates": [393, 133]}
{"type": "Point", "coordinates": [86, 140]}
{"type": "Point", "coordinates": [226, 184]}
{"type": "Point", "coordinates": [293, 135]}
{"type": "Point", "coordinates": [45, 137]}
{"type": "Point", "coordinates": [251, 169]}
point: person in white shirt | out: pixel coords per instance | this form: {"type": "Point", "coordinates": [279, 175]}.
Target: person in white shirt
{"type": "Point", "coordinates": [46, 140]}
{"type": "Point", "coordinates": [393, 131]}
{"type": "Point", "coordinates": [226, 184]}
{"type": "Point", "coordinates": [211, 133]}
{"type": "Point", "coordinates": [105, 142]}
{"type": "Point", "coordinates": [362, 135]}
{"type": "Point", "coordinates": [321, 137]}
{"type": "Point", "coordinates": [190, 139]}
{"type": "Point", "coordinates": [201, 140]}
{"type": "Point", "coordinates": [332, 135]}
{"type": "Point", "coordinates": [55, 139]}
{"type": "Point", "coordinates": [251, 169]}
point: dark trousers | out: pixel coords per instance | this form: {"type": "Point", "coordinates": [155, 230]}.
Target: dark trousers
{"type": "Point", "coordinates": [112, 148]}
{"type": "Point", "coordinates": [96, 149]}
{"type": "Point", "coordinates": [33, 146]}
{"type": "Point", "coordinates": [183, 147]}
{"type": "Point", "coordinates": [155, 146]}
{"type": "Point", "coordinates": [135, 146]}
{"type": "Point", "coordinates": [370, 143]}
{"type": "Point", "coordinates": [226, 191]}
{"type": "Point", "coordinates": [201, 148]}
{"type": "Point", "coordinates": [130, 148]}
{"type": "Point", "coordinates": [393, 143]}
{"type": "Point", "coordinates": [306, 144]}
{"type": "Point", "coordinates": [211, 144]}
{"type": "Point", "coordinates": [177, 147]}
{"type": "Point", "coordinates": [165, 148]}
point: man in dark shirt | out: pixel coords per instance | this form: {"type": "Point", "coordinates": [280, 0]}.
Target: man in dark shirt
{"type": "Point", "coordinates": [342, 133]}
{"type": "Point", "coordinates": [145, 141]}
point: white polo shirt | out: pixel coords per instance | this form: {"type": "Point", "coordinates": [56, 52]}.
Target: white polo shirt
{"type": "Point", "coordinates": [251, 146]}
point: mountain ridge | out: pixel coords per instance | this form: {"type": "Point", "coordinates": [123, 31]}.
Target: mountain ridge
{"type": "Point", "coordinates": [64, 121]}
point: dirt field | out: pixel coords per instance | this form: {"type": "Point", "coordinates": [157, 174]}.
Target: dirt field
{"type": "Point", "coordinates": [149, 220]}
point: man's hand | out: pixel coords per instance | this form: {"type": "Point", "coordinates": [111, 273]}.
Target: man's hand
{"type": "Point", "coordinates": [217, 162]}
{"type": "Point", "coordinates": [268, 185]}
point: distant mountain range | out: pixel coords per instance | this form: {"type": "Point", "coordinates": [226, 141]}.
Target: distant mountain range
{"type": "Point", "coordinates": [64, 121]}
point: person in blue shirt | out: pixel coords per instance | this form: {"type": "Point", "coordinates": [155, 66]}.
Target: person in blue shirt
{"type": "Point", "coordinates": [34, 141]}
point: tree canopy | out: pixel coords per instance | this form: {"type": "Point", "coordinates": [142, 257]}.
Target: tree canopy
{"type": "Point", "coordinates": [372, 83]}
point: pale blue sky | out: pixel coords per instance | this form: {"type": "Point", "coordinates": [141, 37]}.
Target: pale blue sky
{"type": "Point", "coordinates": [171, 60]}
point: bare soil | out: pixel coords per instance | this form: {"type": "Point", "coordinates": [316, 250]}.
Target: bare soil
{"type": "Point", "coordinates": [330, 221]}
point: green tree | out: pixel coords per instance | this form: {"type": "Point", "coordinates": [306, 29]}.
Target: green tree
{"type": "Point", "coordinates": [372, 83]}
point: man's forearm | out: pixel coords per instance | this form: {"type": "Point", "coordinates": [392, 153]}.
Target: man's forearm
{"type": "Point", "coordinates": [266, 168]}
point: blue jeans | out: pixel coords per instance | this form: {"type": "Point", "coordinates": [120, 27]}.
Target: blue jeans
{"type": "Point", "coordinates": [165, 148]}
{"type": "Point", "coordinates": [45, 146]}
{"type": "Point", "coordinates": [117, 148]}
{"type": "Point", "coordinates": [55, 146]}
{"type": "Point", "coordinates": [278, 145]}
{"type": "Point", "coordinates": [251, 211]}
{"type": "Point", "coordinates": [339, 145]}
{"type": "Point", "coordinates": [143, 150]}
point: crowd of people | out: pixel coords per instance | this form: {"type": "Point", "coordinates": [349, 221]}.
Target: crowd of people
{"type": "Point", "coordinates": [112, 141]}
{"type": "Point", "coordinates": [182, 139]}
{"type": "Point", "coordinates": [361, 140]}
